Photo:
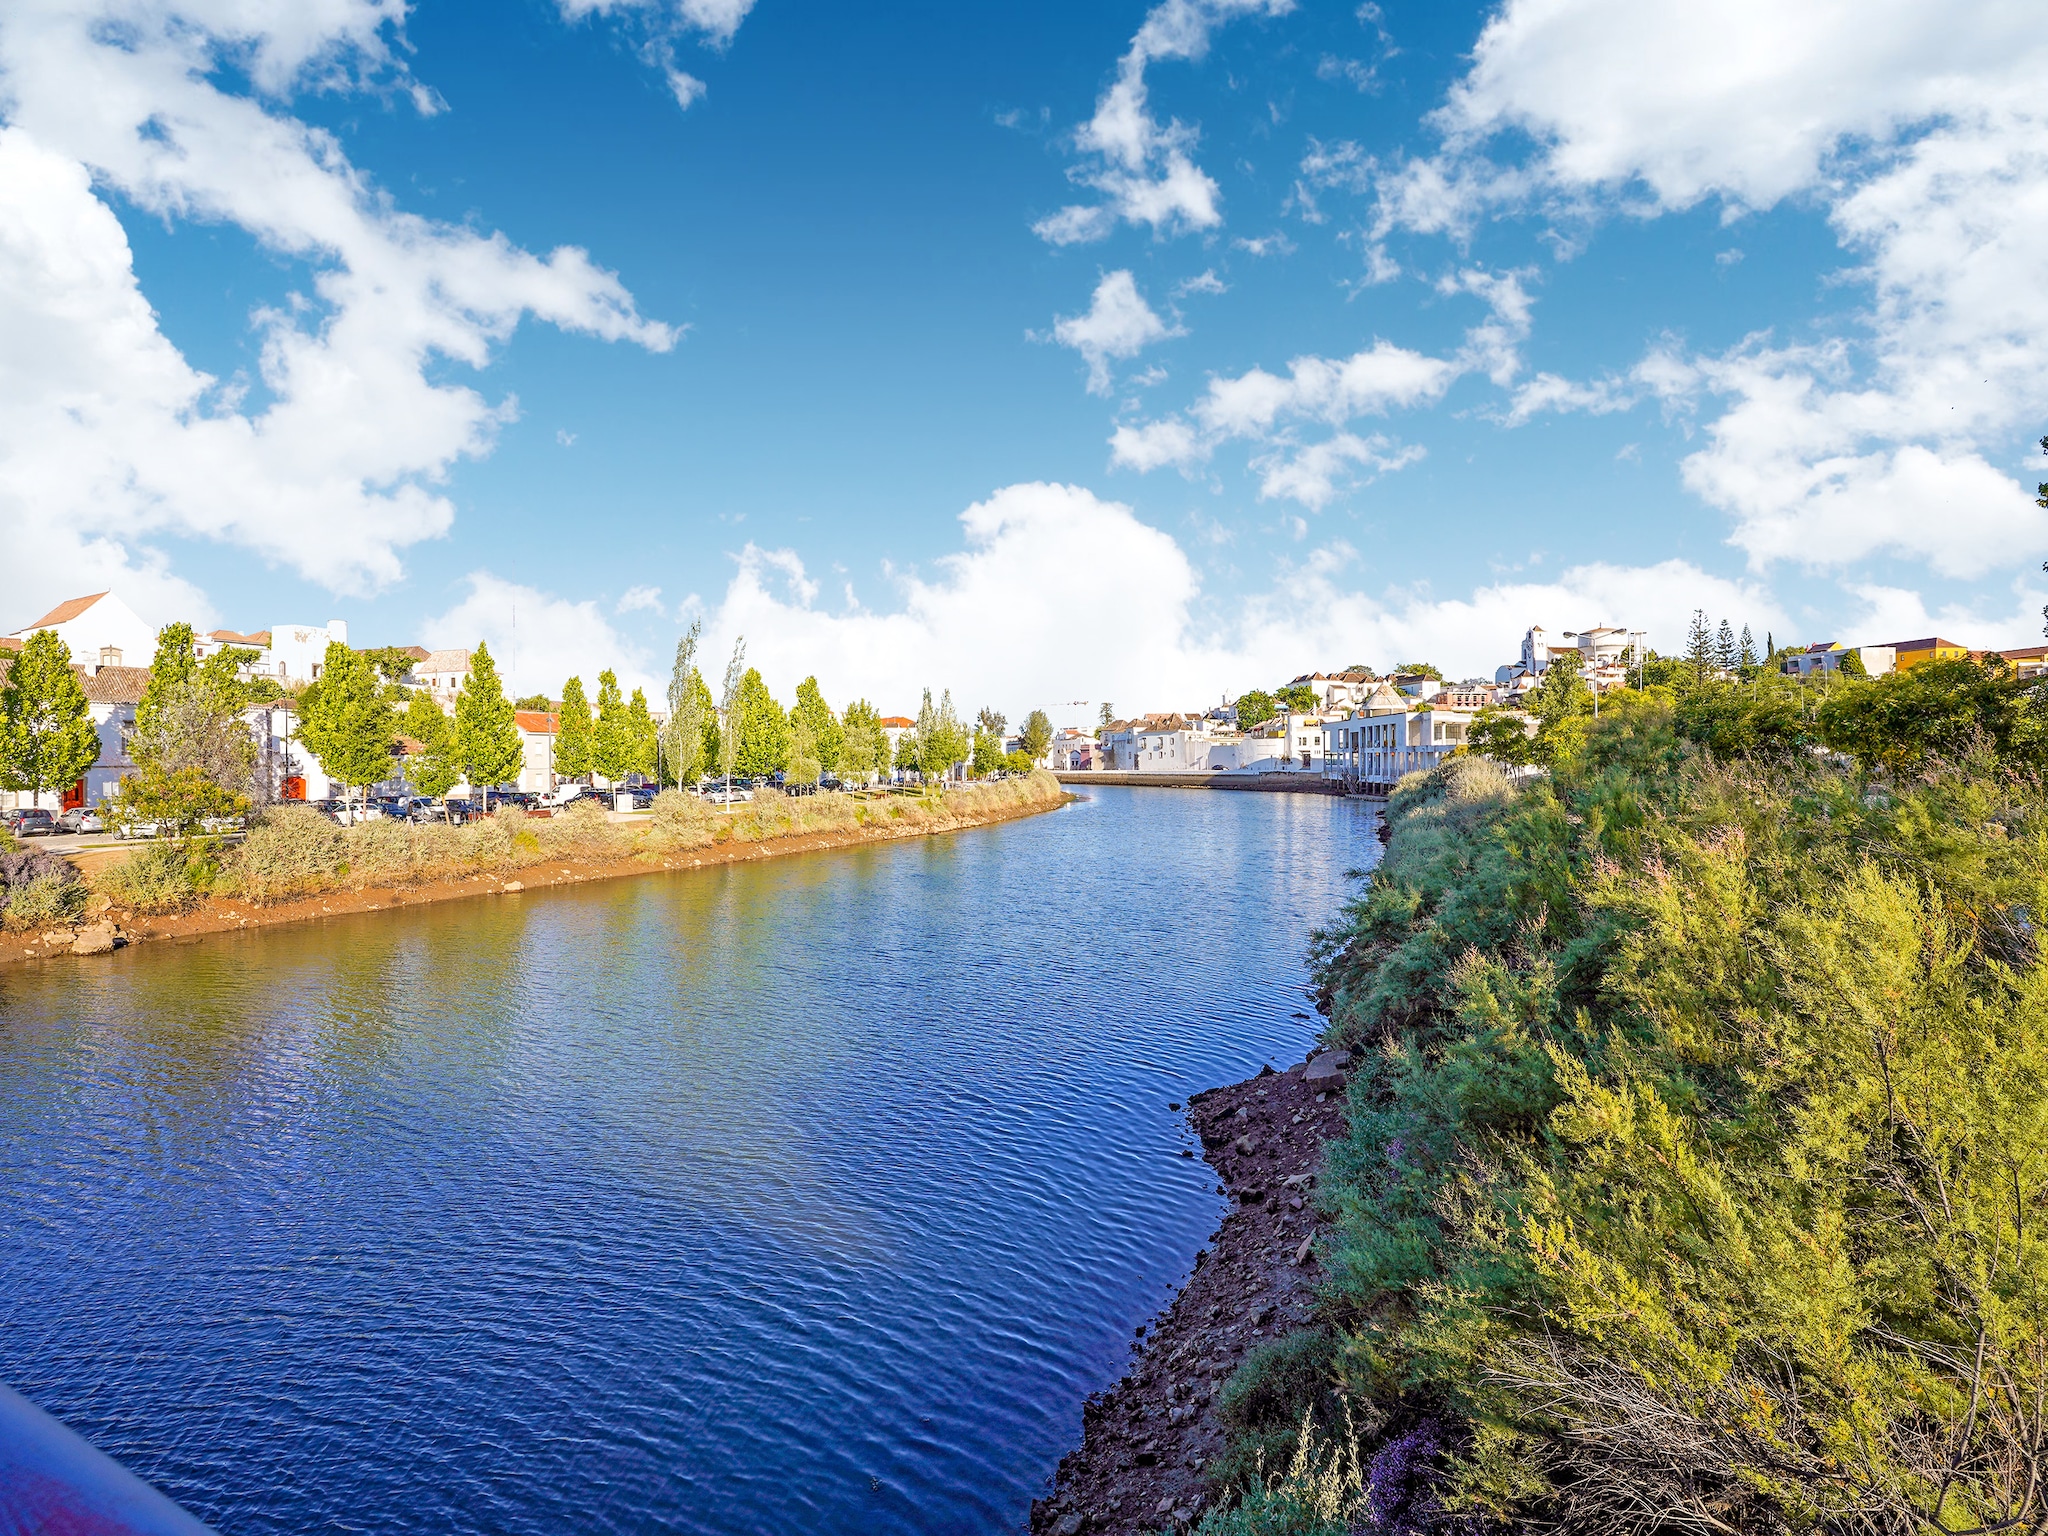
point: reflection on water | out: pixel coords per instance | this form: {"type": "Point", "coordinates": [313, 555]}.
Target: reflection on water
{"type": "Point", "coordinates": [808, 1195]}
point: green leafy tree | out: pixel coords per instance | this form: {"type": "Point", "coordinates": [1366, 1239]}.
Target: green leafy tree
{"type": "Point", "coordinates": [764, 728]}
{"type": "Point", "coordinates": [486, 736]}
{"type": "Point", "coordinates": [573, 733]}
{"type": "Point", "coordinates": [431, 769]}
{"type": "Point", "coordinates": [640, 728]}
{"type": "Point", "coordinates": [47, 735]}
{"type": "Point", "coordinates": [1035, 736]}
{"type": "Point", "coordinates": [611, 740]}
{"type": "Point", "coordinates": [906, 751]}
{"type": "Point", "coordinates": [1107, 714]}
{"type": "Point", "coordinates": [1298, 696]}
{"type": "Point", "coordinates": [992, 721]}
{"type": "Point", "coordinates": [171, 671]}
{"type": "Point", "coordinates": [1561, 705]}
{"type": "Point", "coordinates": [1939, 710]}
{"type": "Point", "coordinates": [866, 752]}
{"type": "Point", "coordinates": [732, 710]}
{"type": "Point", "coordinates": [1851, 664]}
{"type": "Point", "coordinates": [390, 662]}
{"type": "Point", "coordinates": [1255, 709]}
{"type": "Point", "coordinates": [1748, 657]}
{"type": "Point", "coordinates": [535, 701]}
{"type": "Point", "coordinates": [988, 750]}
{"type": "Point", "coordinates": [349, 725]}
{"type": "Point", "coordinates": [1726, 656]}
{"type": "Point", "coordinates": [941, 740]}
{"type": "Point", "coordinates": [803, 766]}
{"type": "Point", "coordinates": [689, 708]}
{"type": "Point", "coordinates": [1413, 669]}
{"type": "Point", "coordinates": [1504, 735]}
{"type": "Point", "coordinates": [827, 733]}
{"type": "Point", "coordinates": [1699, 647]}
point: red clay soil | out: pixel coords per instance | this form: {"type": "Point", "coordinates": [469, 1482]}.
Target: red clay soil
{"type": "Point", "coordinates": [1146, 1439]}
{"type": "Point", "coordinates": [231, 915]}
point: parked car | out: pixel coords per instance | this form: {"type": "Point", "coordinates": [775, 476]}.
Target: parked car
{"type": "Point", "coordinates": [139, 829]}
{"type": "Point", "coordinates": [720, 795]}
{"type": "Point", "coordinates": [565, 794]}
{"type": "Point", "coordinates": [81, 818]}
{"type": "Point", "coordinates": [32, 821]}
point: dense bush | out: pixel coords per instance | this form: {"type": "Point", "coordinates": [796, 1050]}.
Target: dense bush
{"type": "Point", "coordinates": [39, 889]}
{"type": "Point", "coordinates": [161, 876]}
{"type": "Point", "coordinates": [1696, 1172]}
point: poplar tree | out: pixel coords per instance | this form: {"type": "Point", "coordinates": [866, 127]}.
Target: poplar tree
{"type": "Point", "coordinates": [47, 735]}
{"type": "Point", "coordinates": [764, 728]}
{"type": "Point", "coordinates": [486, 736]}
{"type": "Point", "coordinates": [866, 749]}
{"type": "Point", "coordinates": [611, 741]}
{"type": "Point", "coordinates": [730, 706]}
{"type": "Point", "coordinates": [432, 770]}
{"type": "Point", "coordinates": [828, 736]}
{"type": "Point", "coordinates": [1037, 734]}
{"type": "Point", "coordinates": [640, 731]}
{"type": "Point", "coordinates": [572, 732]}
{"type": "Point", "coordinates": [682, 736]}
{"type": "Point", "coordinates": [347, 723]}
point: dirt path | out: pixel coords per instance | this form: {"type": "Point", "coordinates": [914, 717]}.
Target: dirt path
{"type": "Point", "coordinates": [234, 915]}
{"type": "Point", "coordinates": [1145, 1440]}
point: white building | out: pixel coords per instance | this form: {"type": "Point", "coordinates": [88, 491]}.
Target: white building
{"type": "Point", "coordinates": [299, 651]}
{"type": "Point", "coordinates": [1828, 655]}
{"type": "Point", "coordinates": [1605, 652]}
{"type": "Point", "coordinates": [100, 630]}
{"type": "Point", "coordinates": [442, 674]}
{"type": "Point", "coordinates": [1371, 748]}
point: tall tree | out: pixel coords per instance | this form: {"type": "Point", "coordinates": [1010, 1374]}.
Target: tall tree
{"type": "Point", "coordinates": [803, 766]}
{"type": "Point", "coordinates": [431, 770]}
{"type": "Point", "coordinates": [1255, 708]}
{"type": "Point", "coordinates": [828, 736]}
{"type": "Point", "coordinates": [47, 735]}
{"type": "Point", "coordinates": [1036, 734]}
{"type": "Point", "coordinates": [348, 724]}
{"type": "Point", "coordinates": [611, 741]}
{"type": "Point", "coordinates": [1699, 647]}
{"type": "Point", "coordinates": [993, 721]}
{"type": "Point", "coordinates": [924, 736]}
{"type": "Point", "coordinates": [987, 752]}
{"type": "Point", "coordinates": [1725, 651]}
{"type": "Point", "coordinates": [764, 728]}
{"type": "Point", "coordinates": [646, 749]}
{"type": "Point", "coordinates": [682, 735]}
{"type": "Point", "coordinates": [390, 662]}
{"type": "Point", "coordinates": [1748, 648]}
{"type": "Point", "coordinates": [572, 732]}
{"type": "Point", "coordinates": [171, 671]}
{"type": "Point", "coordinates": [731, 708]}
{"type": "Point", "coordinates": [486, 736]}
{"type": "Point", "coordinates": [866, 751]}
{"type": "Point", "coordinates": [1301, 696]}
{"type": "Point", "coordinates": [1108, 713]}
{"type": "Point", "coordinates": [949, 743]}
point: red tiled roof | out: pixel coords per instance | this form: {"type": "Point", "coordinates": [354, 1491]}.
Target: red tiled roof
{"type": "Point", "coordinates": [1928, 644]}
{"type": "Point", "coordinates": [113, 685]}
{"type": "Point", "coordinates": [66, 611]}
{"type": "Point", "coordinates": [260, 638]}
{"type": "Point", "coordinates": [537, 721]}
{"type": "Point", "coordinates": [902, 722]}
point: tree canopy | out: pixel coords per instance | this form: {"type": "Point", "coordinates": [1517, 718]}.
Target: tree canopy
{"type": "Point", "coordinates": [486, 736]}
{"type": "Point", "coordinates": [47, 735]}
{"type": "Point", "coordinates": [573, 732]}
{"type": "Point", "coordinates": [347, 723]}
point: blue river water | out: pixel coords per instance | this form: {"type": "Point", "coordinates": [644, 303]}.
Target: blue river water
{"type": "Point", "coordinates": [810, 1195]}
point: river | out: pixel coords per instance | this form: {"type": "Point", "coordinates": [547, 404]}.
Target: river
{"type": "Point", "coordinates": [809, 1195]}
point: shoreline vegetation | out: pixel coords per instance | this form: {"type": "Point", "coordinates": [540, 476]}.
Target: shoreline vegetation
{"type": "Point", "coordinates": [1693, 1167]}
{"type": "Point", "coordinates": [296, 865]}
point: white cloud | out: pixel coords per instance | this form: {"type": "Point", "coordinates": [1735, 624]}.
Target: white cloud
{"type": "Point", "coordinates": [1157, 444]}
{"type": "Point", "coordinates": [1314, 475]}
{"type": "Point", "coordinates": [639, 599]}
{"type": "Point", "coordinates": [1207, 283]}
{"type": "Point", "coordinates": [1119, 324]}
{"type": "Point", "coordinates": [1922, 136]}
{"type": "Point", "coordinates": [1275, 244]}
{"type": "Point", "coordinates": [717, 20]}
{"type": "Point", "coordinates": [996, 622]}
{"type": "Point", "coordinates": [106, 430]}
{"type": "Point", "coordinates": [686, 88]}
{"type": "Point", "coordinates": [540, 640]}
{"type": "Point", "coordinates": [1144, 168]}
{"type": "Point", "coordinates": [1552, 392]}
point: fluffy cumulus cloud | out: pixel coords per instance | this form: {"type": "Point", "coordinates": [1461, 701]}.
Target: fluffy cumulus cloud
{"type": "Point", "coordinates": [1058, 595]}
{"type": "Point", "coordinates": [540, 640]}
{"type": "Point", "coordinates": [662, 26]}
{"type": "Point", "coordinates": [1144, 170]}
{"type": "Point", "coordinates": [1923, 137]}
{"type": "Point", "coordinates": [1118, 324]}
{"type": "Point", "coordinates": [107, 432]}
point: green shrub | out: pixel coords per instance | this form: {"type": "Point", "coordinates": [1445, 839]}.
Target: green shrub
{"type": "Point", "coordinates": [45, 899]}
{"type": "Point", "coordinates": [1279, 1386]}
{"type": "Point", "coordinates": [292, 849]}
{"type": "Point", "coordinates": [157, 877]}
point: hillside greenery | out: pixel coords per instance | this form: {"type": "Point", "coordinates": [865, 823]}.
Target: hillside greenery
{"type": "Point", "coordinates": [1696, 1174]}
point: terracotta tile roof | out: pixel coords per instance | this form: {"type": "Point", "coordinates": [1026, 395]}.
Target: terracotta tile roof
{"type": "Point", "coordinates": [8, 642]}
{"type": "Point", "coordinates": [442, 661]}
{"type": "Point", "coordinates": [416, 652]}
{"type": "Point", "coordinates": [114, 685]}
{"type": "Point", "coordinates": [902, 722]}
{"type": "Point", "coordinates": [2027, 653]}
{"type": "Point", "coordinates": [539, 723]}
{"type": "Point", "coordinates": [259, 638]}
{"type": "Point", "coordinates": [1932, 642]}
{"type": "Point", "coordinates": [64, 612]}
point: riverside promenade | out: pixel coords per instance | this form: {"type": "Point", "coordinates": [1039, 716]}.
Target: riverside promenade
{"type": "Point", "coordinates": [1303, 783]}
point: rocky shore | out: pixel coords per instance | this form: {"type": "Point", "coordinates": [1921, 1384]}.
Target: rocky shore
{"type": "Point", "coordinates": [1146, 1440]}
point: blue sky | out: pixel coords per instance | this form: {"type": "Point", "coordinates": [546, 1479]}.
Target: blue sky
{"type": "Point", "coordinates": [1048, 352]}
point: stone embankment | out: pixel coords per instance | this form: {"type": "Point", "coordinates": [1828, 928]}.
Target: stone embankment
{"type": "Point", "coordinates": [1147, 1439]}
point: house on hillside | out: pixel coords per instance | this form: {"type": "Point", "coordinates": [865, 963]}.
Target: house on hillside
{"type": "Point", "coordinates": [1371, 748]}
{"type": "Point", "coordinates": [261, 664]}
{"type": "Point", "coordinates": [1827, 656]}
{"type": "Point", "coordinates": [441, 673]}
{"type": "Point", "coordinates": [1339, 690]}
{"type": "Point", "coordinates": [537, 732]}
{"type": "Point", "coordinates": [1913, 653]}
{"type": "Point", "coordinates": [298, 652]}
{"type": "Point", "coordinates": [99, 629]}
{"type": "Point", "coordinates": [2029, 661]}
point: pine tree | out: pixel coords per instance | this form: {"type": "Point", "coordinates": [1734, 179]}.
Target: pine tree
{"type": "Point", "coordinates": [828, 736]}
{"type": "Point", "coordinates": [1699, 646]}
{"type": "Point", "coordinates": [1748, 648]}
{"type": "Point", "coordinates": [347, 723]}
{"type": "Point", "coordinates": [572, 732]}
{"type": "Point", "coordinates": [1725, 654]}
{"type": "Point", "coordinates": [682, 736]}
{"type": "Point", "coordinates": [486, 736]}
{"type": "Point", "coordinates": [431, 770]}
{"type": "Point", "coordinates": [47, 735]}
{"type": "Point", "coordinates": [611, 742]}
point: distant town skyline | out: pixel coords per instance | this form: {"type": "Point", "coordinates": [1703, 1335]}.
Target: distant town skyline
{"type": "Point", "coordinates": [1148, 352]}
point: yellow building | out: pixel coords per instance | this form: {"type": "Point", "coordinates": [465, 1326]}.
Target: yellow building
{"type": "Point", "coordinates": [1911, 653]}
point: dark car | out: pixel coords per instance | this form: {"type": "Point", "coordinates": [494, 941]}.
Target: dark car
{"type": "Point", "coordinates": [31, 822]}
